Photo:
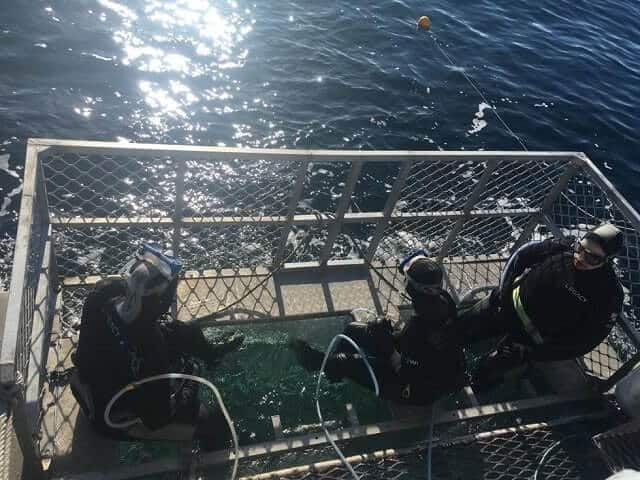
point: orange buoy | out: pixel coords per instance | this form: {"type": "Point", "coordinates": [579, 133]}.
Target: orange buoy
{"type": "Point", "coordinates": [424, 23]}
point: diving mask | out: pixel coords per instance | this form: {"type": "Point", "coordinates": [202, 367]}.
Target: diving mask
{"type": "Point", "coordinates": [151, 271]}
{"type": "Point", "coordinates": [429, 280]}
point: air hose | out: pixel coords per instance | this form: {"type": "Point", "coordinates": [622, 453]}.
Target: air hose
{"type": "Point", "coordinates": [547, 453]}
{"type": "Point", "coordinates": [170, 376]}
{"type": "Point", "coordinates": [324, 364]}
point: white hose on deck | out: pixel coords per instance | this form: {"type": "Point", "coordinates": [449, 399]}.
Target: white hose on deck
{"type": "Point", "coordinates": [375, 384]}
{"type": "Point", "coordinates": [184, 376]}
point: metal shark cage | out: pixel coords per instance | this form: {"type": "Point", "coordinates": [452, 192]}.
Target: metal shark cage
{"type": "Point", "coordinates": [244, 219]}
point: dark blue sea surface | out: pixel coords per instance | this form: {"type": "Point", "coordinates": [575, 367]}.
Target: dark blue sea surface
{"type": "Point", "coordinates": [565, 75]}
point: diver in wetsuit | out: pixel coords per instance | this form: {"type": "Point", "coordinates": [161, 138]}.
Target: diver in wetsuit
{"type": "Point", "coordinates": [557, 300]}
{"type": "Point", "coordinates": [121, 340]}
{"type": "Point", "coordinates": [417, 363]}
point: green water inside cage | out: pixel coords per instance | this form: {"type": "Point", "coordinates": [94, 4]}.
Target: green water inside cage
{"type": "Point", "coordinates": [263, 379]}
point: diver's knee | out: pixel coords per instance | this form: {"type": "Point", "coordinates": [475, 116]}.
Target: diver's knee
{"type": "Point", "coordinates": [212, 430]}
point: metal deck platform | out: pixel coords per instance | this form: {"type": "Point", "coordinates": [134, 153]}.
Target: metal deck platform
{"type": "Point", "coordinates": [280, 244]}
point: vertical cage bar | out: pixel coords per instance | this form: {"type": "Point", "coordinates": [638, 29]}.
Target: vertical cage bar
{"type": "Point", "coordinates": [179, 206]}
{"type": "Point", "coordinates": [181, 165]}
{"type": "Point", "coordinates": [15, 309]}
{"type": "Point", "coordinates": [32, 466]}
{"type": "Point", "coordinates": [392, 199]}
{"type": "Point", "coordinates": [39, 338]}
{"type": "Point", "coordinates": [612, 192]}
{"type": "Point", "coordinates": [343, 205]}
{"type": "Point", "coordinates": [468, 206]}
{"type": "Point", "coordinates": [291, 211]}
{"type": "Point", "coordinates": [42, 199]}
{"type": "Point", "coordinates": [555, 230]}
{"type": "Point", "coordinates": [551, 197]}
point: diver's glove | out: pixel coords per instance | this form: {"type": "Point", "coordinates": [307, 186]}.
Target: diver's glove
{"type": "Point", "coordinates": [380, 331]}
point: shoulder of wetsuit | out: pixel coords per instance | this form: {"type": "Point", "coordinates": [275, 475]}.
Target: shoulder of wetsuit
{"type": "Point", "coordinates": [103, 292]}
{"type": "Point", "coordinates": [559, 245]}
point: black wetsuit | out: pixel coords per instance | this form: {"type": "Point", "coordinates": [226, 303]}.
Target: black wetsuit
{"type": "Point", "coordinates": [110, 355]}
{"type": "Point", "coordinates": [573, 310]}
{"type": "Point", "coordinates": [431, 358]}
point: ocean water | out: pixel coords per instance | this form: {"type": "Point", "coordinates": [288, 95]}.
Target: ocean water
{"type": "Point", "coordinates": [565, 75]}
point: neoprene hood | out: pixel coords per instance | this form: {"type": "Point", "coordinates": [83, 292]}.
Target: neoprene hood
{"type": "Point", "coordinates": [609, 237]}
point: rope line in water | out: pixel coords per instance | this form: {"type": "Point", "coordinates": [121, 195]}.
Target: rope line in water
{"type": "Point", "coordinates": [477, 89]}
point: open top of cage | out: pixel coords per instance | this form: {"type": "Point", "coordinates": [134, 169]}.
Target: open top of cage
{"type": "Point", "coordinates": [271, 235]}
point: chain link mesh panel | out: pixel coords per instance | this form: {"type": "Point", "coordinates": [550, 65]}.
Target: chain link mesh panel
{"type": "Point", "coordinates": [5, 443]}
{"type": "Point", "coordinates": [502, 455]}
{"type": "Point", "coordinates": [401, 237]}
{"type": "Point", "coordinates": [109, 186]}
{"type": "Point", "coordinates": [374, 185]}
{"type": "Point", "coordinates": [29, 306]}
{"type": "Point", "coordinates": [103, 250]}
{"type": "Point", "coordinates": [520, 184]}
{"type": "Point", "coordinates": [353, 241]}
{"type": "Point", "coordinates": [238, 188]}
{"type": "Point", "coordinates": [481, 237]}
{"type": "Point", "coordinates": [323, 187]}
{"type": "Point", "coordinates": [11, 459]}
{"type": "Point", "coordinates": [436, 186]}
{"type": "Point", "coordinates": [232, 247]}
{"type": "Point", "coordinates": [227, 270]}
{"type": "Point", "coordinates": [582, 205]}
{"type": "Point", "coordinates": [620, 447]}
{"type": "Point", "coordinates": [479, 251]}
